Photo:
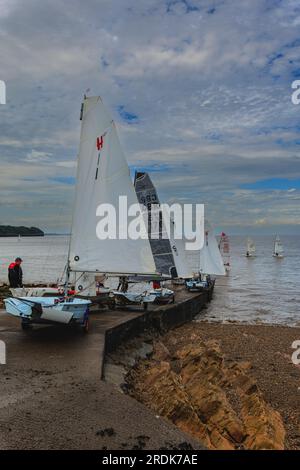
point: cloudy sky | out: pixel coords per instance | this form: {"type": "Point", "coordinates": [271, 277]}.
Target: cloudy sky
{"type": "Point", "coordinates": [200, 89]}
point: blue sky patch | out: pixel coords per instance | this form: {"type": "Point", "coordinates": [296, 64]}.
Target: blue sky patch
{"type": "Point", "coordinates": [70, 180]}
{"type": "Point", "coordinates": [283, 184]}
{"type": "Point", "coordinates": [130, 118]}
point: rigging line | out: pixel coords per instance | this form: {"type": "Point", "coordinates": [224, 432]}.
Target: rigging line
{"type": "Point", "coordinates": [53, 240]}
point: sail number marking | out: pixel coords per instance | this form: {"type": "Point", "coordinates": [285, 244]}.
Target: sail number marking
{"type": "Point", "coordinates": [99, 146]}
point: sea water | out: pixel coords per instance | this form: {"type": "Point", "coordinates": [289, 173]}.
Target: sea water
{"type": "Point", "coordinates": [260, 289]}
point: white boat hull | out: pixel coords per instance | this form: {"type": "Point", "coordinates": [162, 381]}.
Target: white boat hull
{"type": "Point", "coordinates": [196, 285]}
{"type": "Point", "coordinates": [155, 295]}
{"type": "Point", "coordinates": [48, 309]}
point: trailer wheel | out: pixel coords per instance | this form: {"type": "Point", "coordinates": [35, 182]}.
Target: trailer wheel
{"type": "Point", "coordinates": [26, 325]}
{"type": "Point", "coordinates": [86, 326]}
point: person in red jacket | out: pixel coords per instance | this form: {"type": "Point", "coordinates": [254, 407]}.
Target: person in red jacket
{"type": "Point", "coordinates": [15, 273]}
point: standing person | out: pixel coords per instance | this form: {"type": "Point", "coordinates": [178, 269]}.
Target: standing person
{"type": "Point", "coordinates": [15, 273]}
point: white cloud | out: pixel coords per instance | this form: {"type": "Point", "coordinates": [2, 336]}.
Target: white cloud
{"type": "Point", "coordinates": [37, 157]}
{"type": "Point", "coordinates": [211, 92]}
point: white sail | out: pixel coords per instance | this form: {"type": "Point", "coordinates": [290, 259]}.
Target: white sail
{"type": "Point", "coordinates": [224, 247]}
{"type": "Point", "coordinates": [250, 247]}
{"type": "Point", "coordinates": [278, 247]}
{"type": "Point", "coordinates": [211, 261]}
{"type": "Point", "coordinates": [102, 176]}
{"type": "Point", "coordinates": [186, 261]}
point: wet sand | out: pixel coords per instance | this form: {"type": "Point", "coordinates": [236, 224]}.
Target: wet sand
{"type": "Point", "coordinates": [265, 348]}
{"type": "Point", "coordinates": [51, 395]}
{"type": "Point", "coordinates": [268, 349]}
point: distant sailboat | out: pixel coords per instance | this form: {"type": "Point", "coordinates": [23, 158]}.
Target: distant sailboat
{"type": "Point", "coordinates": [278, 248]}
{"type": "Point", "coordinates": [224, 247]}
{"type": "Point", "coordinates": [251, 249]}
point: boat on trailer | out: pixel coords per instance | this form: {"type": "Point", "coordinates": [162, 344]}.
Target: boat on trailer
{"type": "Point", "coordinates": [154, 296]}
{"type": "Point", "coordinates": [102, 177]}
{"type": "Point", "coordinates": [49, 310]}
{"type": "Point", "coordinates": [199, 284]}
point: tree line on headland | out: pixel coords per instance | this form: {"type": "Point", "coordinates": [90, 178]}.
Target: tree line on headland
{"type": "Point", "coordinates": [10, 231]}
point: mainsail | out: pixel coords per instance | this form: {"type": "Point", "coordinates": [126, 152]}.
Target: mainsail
{"type": "Point", "coordinates": [211, 261]}
{"type": "Point", "coordinates": [278, 247]}
{"type": "Point", "coordinates": [160, 243]}
{"type": "Point", "coordinates": [102, 176]}
{"type": "Point", "coordinates": [168, 250]}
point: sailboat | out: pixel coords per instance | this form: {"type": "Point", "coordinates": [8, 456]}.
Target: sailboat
{"type": "Point", "coordinates": [102, 176]}
{"type": "Point", "coordinates": [210, 261]}
{"type": "Point", "coordinates": [250, 248]}
{"type": "Point", "coordinates": [278, 251]}
{"type": "Point", "coordinates": [224, 247]}
{"type": "Point", "coordinates": [168, 249]}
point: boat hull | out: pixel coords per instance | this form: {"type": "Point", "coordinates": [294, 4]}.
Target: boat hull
{"type": "Point", "coordinates": [196, 285]}
{"type": "Point", "coordinates": [48, 309]}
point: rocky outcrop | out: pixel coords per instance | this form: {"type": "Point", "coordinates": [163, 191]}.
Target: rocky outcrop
{"type": "Point", "coordinates": [216, 401]}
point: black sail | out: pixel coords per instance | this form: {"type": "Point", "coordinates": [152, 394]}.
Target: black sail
{"type": "Point", "coordinates": [160, 244]}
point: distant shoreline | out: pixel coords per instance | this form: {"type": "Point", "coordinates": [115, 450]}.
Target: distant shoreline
{"type": "Point", "coordinates": [20, 231]}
